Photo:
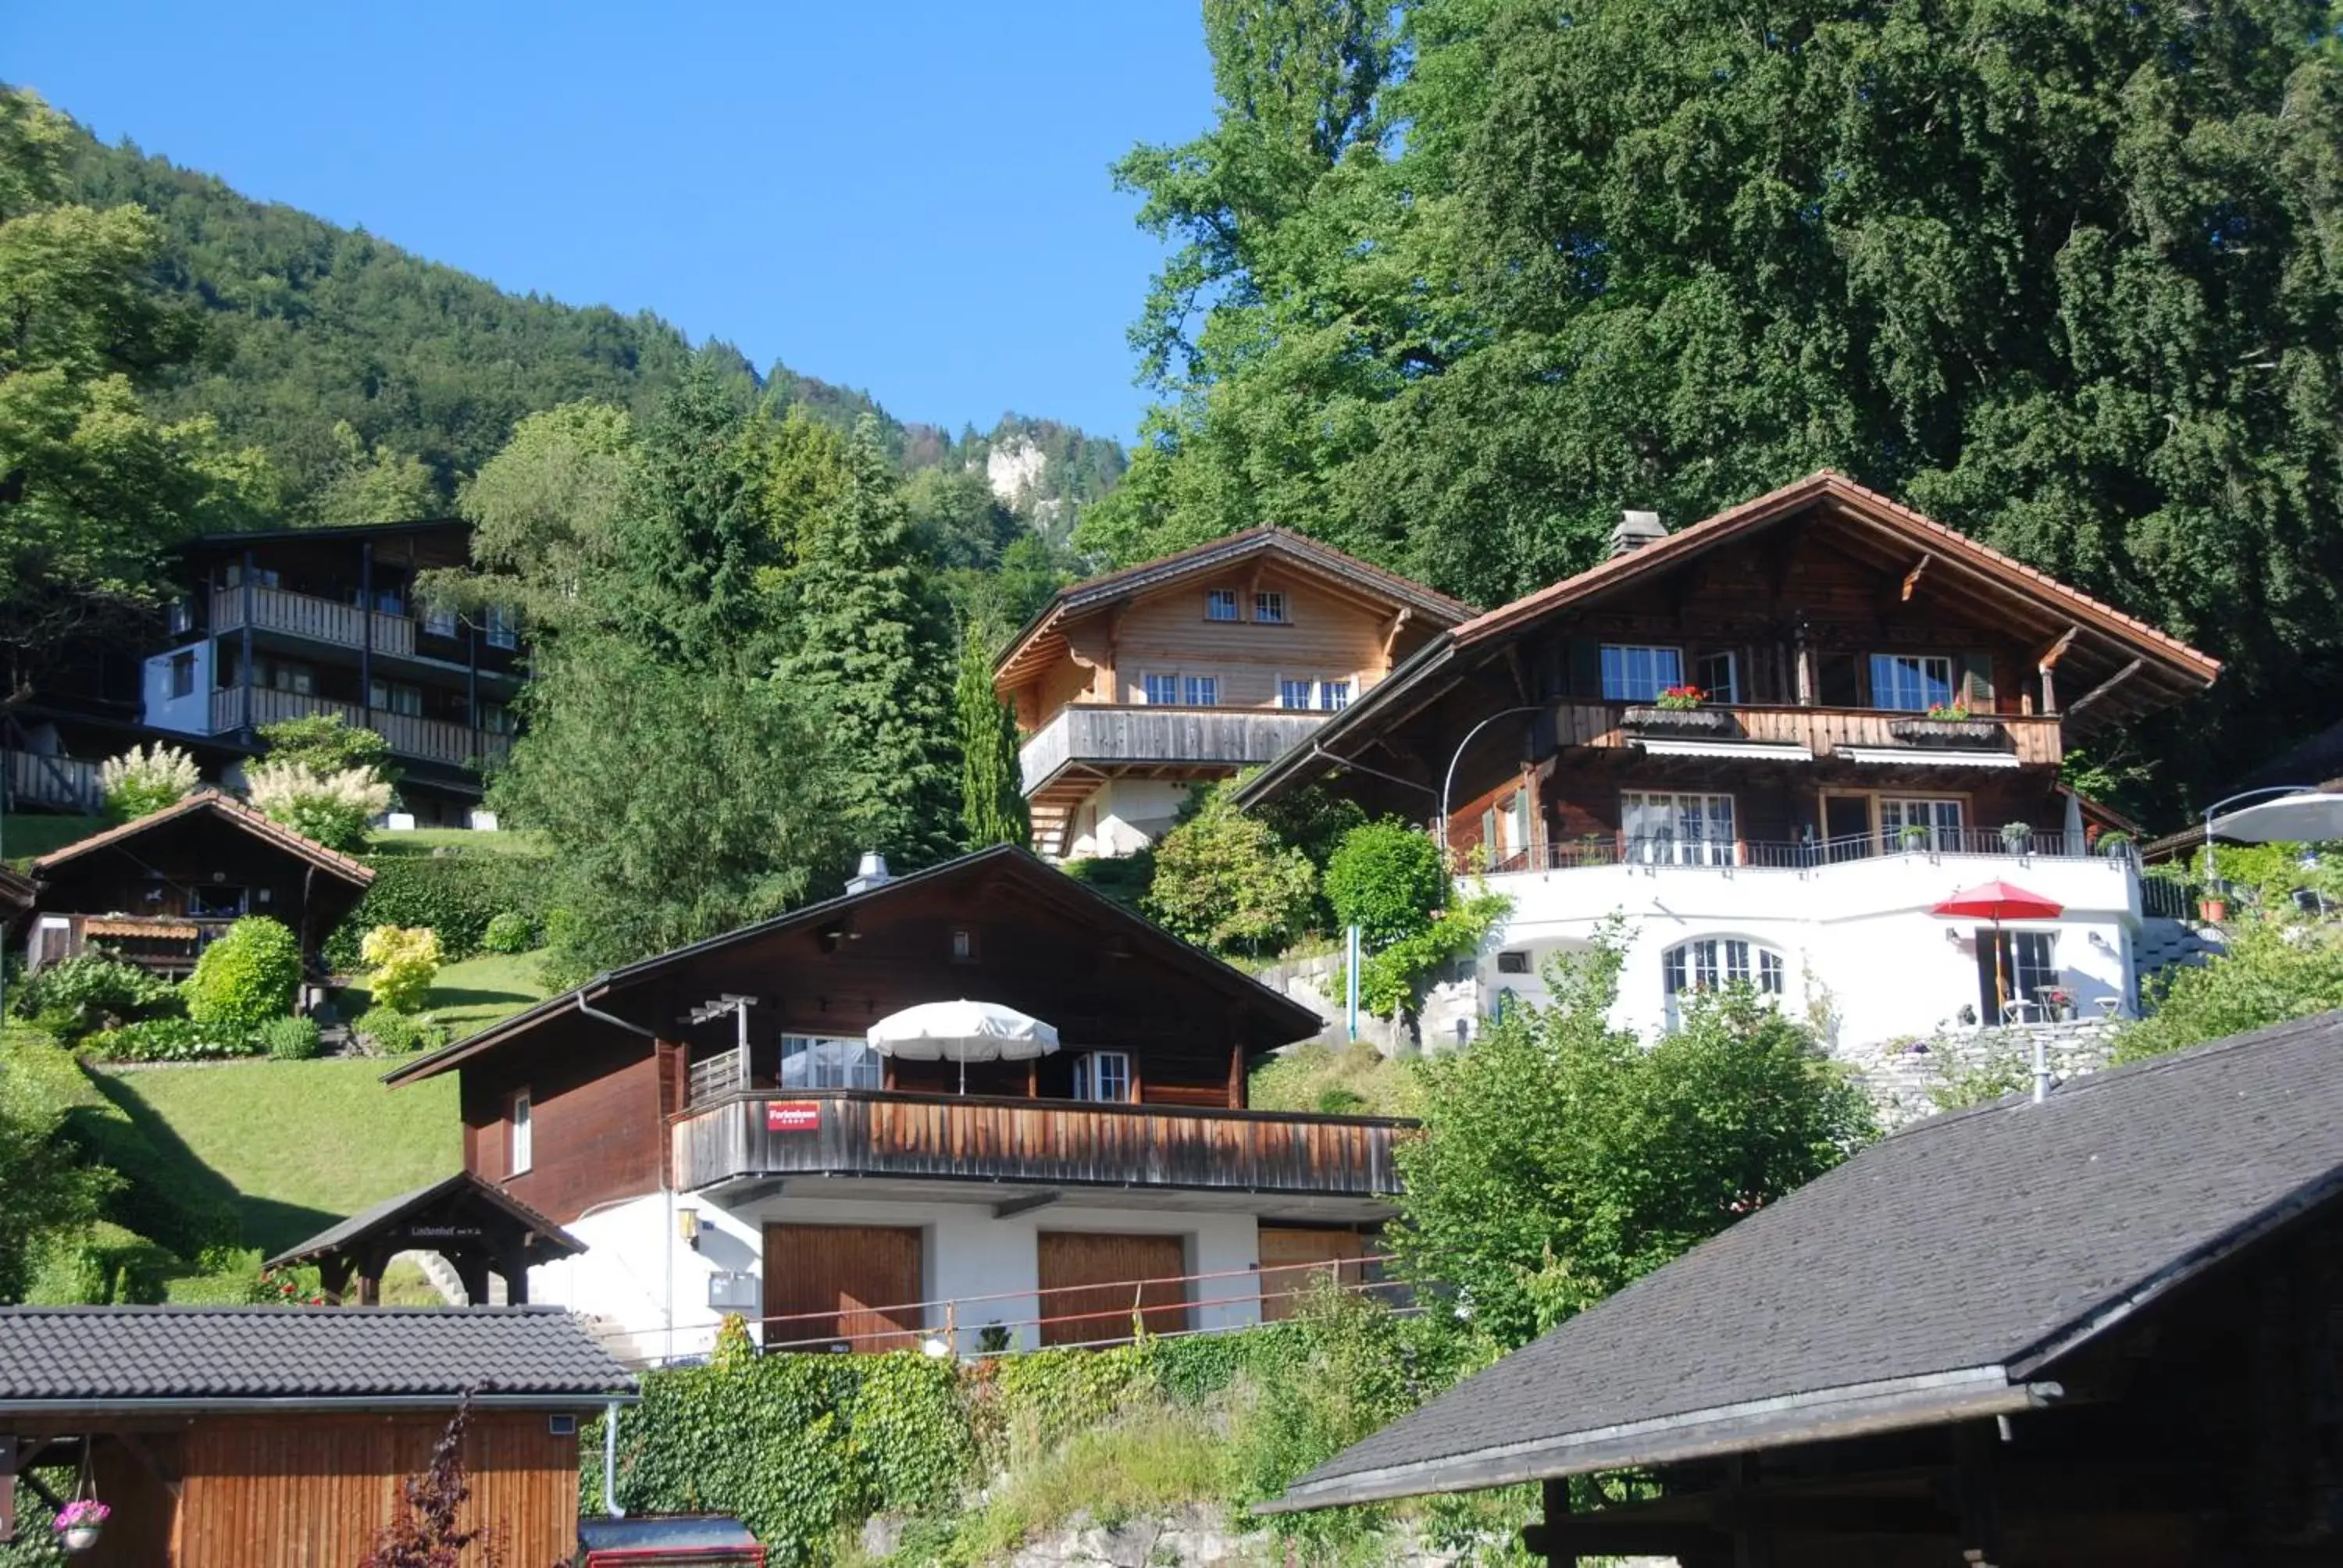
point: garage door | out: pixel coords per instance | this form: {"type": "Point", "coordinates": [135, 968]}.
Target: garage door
{"type": "Point", "coordinates": [1290, 1260]}
{"type": "Point", "coordinates": [1091, 1281]}
{"type": "Point", "coordinates": [850, 1282]}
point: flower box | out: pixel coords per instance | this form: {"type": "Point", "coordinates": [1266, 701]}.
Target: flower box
{"type": "Point", "coordinates": [1679, 721]}
{"type": "Point", "coordinates": [1966, 734]}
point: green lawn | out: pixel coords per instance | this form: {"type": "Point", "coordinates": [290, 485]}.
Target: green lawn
{"type": "Point", "coordinates": [293, 1146]}
{"type": "Point", "coordinates": [469, 995]}
{"type": "Point", "coordinates": [25, 834]}
{"type": "Point", "coordinates": [423, 840]}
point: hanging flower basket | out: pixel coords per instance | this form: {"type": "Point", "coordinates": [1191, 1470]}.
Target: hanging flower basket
{"type": "Point", "coordinates": [1961, 733]}
{"type": "Point", "coordinates": [1678, 721]}
{"type": "Point", "coordinates": [80, 1523]}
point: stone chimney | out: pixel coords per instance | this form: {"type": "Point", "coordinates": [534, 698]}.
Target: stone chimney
{"type": "Point", "coordinates": [872, 873]}
{"type": "Point", "coordinates": [1635, 530]}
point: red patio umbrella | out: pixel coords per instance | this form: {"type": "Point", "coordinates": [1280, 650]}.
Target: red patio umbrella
{"type": "Point", "coordinates": [1998, 902]}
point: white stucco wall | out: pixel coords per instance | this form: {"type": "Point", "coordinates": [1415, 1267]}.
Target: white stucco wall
{"type": "Point", "coordinates": [1129, 815]}
{"type": "Point", "coordinates": [987, 1266]}
{"type": "Point", "coordinates": [191, 714]}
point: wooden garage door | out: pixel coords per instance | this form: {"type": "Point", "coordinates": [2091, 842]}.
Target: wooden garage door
{"type": "Point", "coordinates": [856, 1280]}
{"type": "Point", "coordinates": [1291, 1260]}
{"type": "Point", "coordinates": [1091, 1281]}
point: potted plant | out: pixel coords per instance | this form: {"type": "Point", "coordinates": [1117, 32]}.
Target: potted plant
{"type": "Point", "coordinates": [1678, 707]}
{"type": "Point", "coordinates": [1949, 712]}
{"type": "Point", "coordinates": [1946, 724]}
{"type": "Point", "coordinates": [1912, 836]}
{"type": "Point", "coordinates": [2017, 838]}
{"type": "Point", "coordinates": [2213, 908]}
{"type": "Point", "coordinates": [2059, 1003]}
{"type": "Point", "coordinates": [1682, 698]}
{"type": "Point", "coordinates": [80, 1523]}
{"type": "Point", "coordinates": [2113, 843]}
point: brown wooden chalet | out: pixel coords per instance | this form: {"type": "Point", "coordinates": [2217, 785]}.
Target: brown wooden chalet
{"type": "Point", "coordinates": [1864, 674]}
{"type": "Point", "coordinates": [1186, 669]}
{"type": "Point", "coordinates": [159, 888]}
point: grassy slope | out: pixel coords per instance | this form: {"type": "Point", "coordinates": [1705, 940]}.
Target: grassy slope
{"type": "Point", "coordinates": [24, 834]}
{"type": "Point", "coordinates": [473, 994]}
{"type": "Point", "coordinates": [424, 840]}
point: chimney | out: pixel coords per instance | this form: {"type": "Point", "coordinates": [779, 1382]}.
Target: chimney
{"type": "Point", "coordinates": [1635, 530]}
{"type": "Point", "coordinates": [872, 873]}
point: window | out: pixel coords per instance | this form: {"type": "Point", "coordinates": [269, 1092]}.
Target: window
{"type": "Point", "coordinates": [440, 621]}
{"type": "Point", "coordinates": [283, 675]}
{"type": "Point", "coordinates": [2026, 966]}
{"type": "Point", "coordinates": [1638, 674]}
{"type": "Point", "coordinates": [1712, 963]}
{"type": "Point", "coordinates": [1201, 691]}
{"type": "Point", "coordinates": [1515, 963]}
{"type": "Point", "coordinates": [183, 673]}
{"type": "Point", "coordinates": [1913, 683]}
{"type": "Point", "coordinates": [183, 616]}
{"type": "Point", "coordinates": [1269, 608]}
{"type": "Point", "coordinates": [1333, 695]}
{"type": "Point", "coordinates": [389, 601]}
{"type": "Point", "coordinates": [1221, 604]}
{"type": "Point", "coordinates": [1103, 1076]}
{"type": "Point", "coordinates": [1664, 830]}
{"type": "Point", "coordinates": [811, 1063]}
{"type": "Point", "coordinates": [262, 576]}
{"type": "Point", "coordinates": [1163, 690]}
{"type": "Point", "coordinates": [496, 719]}
{"type": "Point", "coordinates": [396, 697]}
{"type": "Point", "coordinates": [1719, 675]}
{"type": "Point", "coordinates": [1294, 694]}
{"type": "Point", "coordinates": [1920, 824]}
{"type": "Point", "coordinates": [519, 1150]}
{"type": "Point", "coordinates": [211, 901]}
{"type": "Point", "coordinates": [964, 945]}
{"type": "Point", "coordinates": [503, 630]}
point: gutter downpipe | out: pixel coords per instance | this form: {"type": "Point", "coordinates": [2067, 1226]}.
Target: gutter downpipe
{"type": "Point", "coordinates": [610, 1462]}
{"type": "Point", "coordinates": [667, 1191]}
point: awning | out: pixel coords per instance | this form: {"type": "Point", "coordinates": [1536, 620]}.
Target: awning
{"type": "Point", "coordinates": [140, 928]}
{"type": "Point", "coordinates": [2311, 818]}
{"type": "Point", "coordinates": [1933, 757]}
{"type": "Point", "coordinates": [1747, 750]}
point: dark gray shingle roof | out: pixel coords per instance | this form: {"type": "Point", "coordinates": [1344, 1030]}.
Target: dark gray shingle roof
{"type": "Point", "coordinates": [463, 1187]}
{"type": "Point", "coordinates": [1983, 1239]}
{"type": "Point", "coordinates": [96, 1355]}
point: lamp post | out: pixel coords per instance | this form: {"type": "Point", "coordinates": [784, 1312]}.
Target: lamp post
{"type": "Point", "coordinates": [1449, 779]}
{"type": "Point", "coordinates": [2210, 872]}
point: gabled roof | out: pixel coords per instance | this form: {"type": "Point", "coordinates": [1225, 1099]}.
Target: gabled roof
{"type": "Point", "coordinates": [58, 1359]}
{"type": "Point", "coordinates": [1291, 1020]}
{"type": "Point", "coordinates": [546, 1238]}
{"type": "Point", "coordinates": [1934, 1275]}
{"type": "Point", "coordinates": [1298, 551]}
{"type": "Point", "coordinates": [233, 812]}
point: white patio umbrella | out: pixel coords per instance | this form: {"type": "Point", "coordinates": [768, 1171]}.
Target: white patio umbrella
{"type": "Point", "coordinates": [2313, 817]}
{"type": "Point", "coordinates": [961, 1031]}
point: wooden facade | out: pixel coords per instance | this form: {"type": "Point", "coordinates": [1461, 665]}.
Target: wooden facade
{"type": "Point", "coordinates": [855, 1285]}
{"type": "Point", "coordinates": [1094, 1285]}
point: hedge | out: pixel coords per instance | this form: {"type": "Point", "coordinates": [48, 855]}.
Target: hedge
{"type": "Point", "coordinates": [456, 895]}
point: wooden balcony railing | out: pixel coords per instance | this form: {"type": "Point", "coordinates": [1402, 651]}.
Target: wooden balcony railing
{"type": "Point", "coordinates": [59, 783]}
{"type": "Point", "coordinates": [1115, 734]}
{"type": "Point", "coordinates": [869, 1132]}
{"type": "Point", "coordinates": [306, 615]}
{"type": "Point", "coordinates": [2033, 740]}
{"type": "Point", "coordinates": [168, 944]}
{"type": "Point", "coordinates": [433, 740]}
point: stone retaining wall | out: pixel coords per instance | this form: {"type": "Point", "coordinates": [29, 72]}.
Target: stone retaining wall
{"type": "Point", "coordinates": [1901, 1073]}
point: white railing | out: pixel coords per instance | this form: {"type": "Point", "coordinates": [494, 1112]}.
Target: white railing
{"type": "Point", "coordinates": [59, 783]}
{"type": "Point", "coordinates": [306, 615]}
{"type": "Point", "coordinates": [433, 740]}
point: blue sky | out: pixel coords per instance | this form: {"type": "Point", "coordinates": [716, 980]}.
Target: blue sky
{"type": "Point", "coordinates": [906, 196]}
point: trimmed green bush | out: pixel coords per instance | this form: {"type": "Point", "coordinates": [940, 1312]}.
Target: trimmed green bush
{"type": "Point", "coordinates": [170, 1040]}
{"type": "Point", "coordinates": [400, 962]}
{"type": "Point", "coordinates": [290, 1038]}
{"type": "Point", "coordinates": [1385, 877]}
{"type": "Point", "coordinates": [456, 895]}
{"type": "Point", "coordinates": [392, 1033]}
{"type": "Point", "coordinates": [245, 978]}
{"type": "Point", "coordinates": [509, 932]}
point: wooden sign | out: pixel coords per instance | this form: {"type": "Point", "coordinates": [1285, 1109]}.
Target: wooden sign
{"type": "Point", "coordinates": [792, 1115]}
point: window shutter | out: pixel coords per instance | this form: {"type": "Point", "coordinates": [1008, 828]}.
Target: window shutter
{"type": "Point", "coordinates": [1977, 682]}
{"type": "Point", "coordinates": [1585, 667]}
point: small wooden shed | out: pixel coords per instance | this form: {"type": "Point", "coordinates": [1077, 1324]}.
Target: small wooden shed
{"type": "Point", "coordinates": [267, 1437]}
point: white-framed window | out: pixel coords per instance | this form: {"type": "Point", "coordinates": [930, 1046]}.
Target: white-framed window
{"type": "Point", "coordinates": [440, 621]}
{"type": "Point", "coordinates": [1712, 963]}
{"type": "Point", "coordinates": [2028, 966]}
{"type": "Point", "coordinates": [1160, 691]}
{"type": "Point", "coordinates": [1935, 824]}
{"type": "Point", "coordinates": [396, 697]}
{"type": "Point", "coordinates": [503, 631]}
{"type": "Point", "coordinates": [1911, 682]}
{"type": "Point", "coordinates": [1294, 694]}
{"type": "Point", "coordinates": [1201, 691]}
{"type": "Point", "coordinates": [1633, 672]}
{"type": "Point", "coordinates": [1221, 604]}
{"type": "Point", "coordinates": [1718, 675]}
{"type": "Point", "coordinates": [1665, 828]}
{"type": "Point", "coordinates": [1103, 1076]}
{"type": "Point", "coordinates": [520, 1147]}
{"type": "Point", "coordinates": [1333, 695]}
{"type": "Point", "coordinates": [1269, 608]}
{"type": "Point", "coordinates": [812, 1061]}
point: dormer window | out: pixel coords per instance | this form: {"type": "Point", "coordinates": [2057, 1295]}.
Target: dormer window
{"type": "Point", "coordinates": [1269, 608]}
{"type": "Point", "coordinates": [1221, 604]}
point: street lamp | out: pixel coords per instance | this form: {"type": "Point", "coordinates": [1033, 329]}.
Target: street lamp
{"type": "Point", "coordinates": [1449, 779]}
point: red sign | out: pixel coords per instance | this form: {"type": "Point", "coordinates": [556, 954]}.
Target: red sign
{"type": "Point", "coordinates": [792, 1115]}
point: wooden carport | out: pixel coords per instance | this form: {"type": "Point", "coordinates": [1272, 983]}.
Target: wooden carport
{"type": "Point", "coordinates": [479, 1228]}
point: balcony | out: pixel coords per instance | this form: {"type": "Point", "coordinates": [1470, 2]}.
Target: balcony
{"type": "Point", "coordinates": [167, 944]}
{"type": "Point", "coordinates": [429, 739]}
{"type": "Point", "coordinates": [59, 783]}
{"type": "Point", "coordinates": [1863, 736]}
{"type": "Point", "coordinates": [306, 616]}
{"type": "Point", "coordinates": [1104, 738]}
{"type": "Point", "coordinates": [1033, 1143]}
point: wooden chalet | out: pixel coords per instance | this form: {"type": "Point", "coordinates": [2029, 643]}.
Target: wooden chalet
{"type": "Point", "coordinates": [158, 889]}
{"type": "Point", "coordinates": [825, 1180]}
{"type": "Point", "coordinates": [264, 1437]}
{"type": "Point", "coordinates": [1130, 687]}
{"type": "Point", "coordinates": [2096, 1328]}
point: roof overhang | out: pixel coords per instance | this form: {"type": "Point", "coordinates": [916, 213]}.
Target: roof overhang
{"type": "Point", "coordinates": [69, 1409]}
{"type": "Point", "coordinates": [234, 814]}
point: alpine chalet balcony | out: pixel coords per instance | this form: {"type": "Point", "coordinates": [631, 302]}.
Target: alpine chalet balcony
{"type": "Point", "coordinates": [431, 739]}
{"type": "Point", "coordinates": [307, 616]}
{"type": "Point", "coordinates": [1121, 738]}
{"type": "Point", "coordinates": [1864, 735]}
{"type": "Point", "coordinates": [1032, 1143]}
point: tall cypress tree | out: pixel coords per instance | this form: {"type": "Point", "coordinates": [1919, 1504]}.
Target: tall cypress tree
{"type": "Point", "coordinates": [991, 799]}
{"type": "Point", "coordinates": [870, 646]}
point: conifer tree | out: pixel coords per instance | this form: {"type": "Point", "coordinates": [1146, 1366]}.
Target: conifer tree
{"type": "Point", "coordinates": [991, 799]}
{"type": "Point", "coordinates": [870, 645]}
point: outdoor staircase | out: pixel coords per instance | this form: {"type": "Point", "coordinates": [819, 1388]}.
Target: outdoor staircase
{"type": "Point", "coordinates": [2167, 944]}
{"type": "Point", "coordinates": [1053, 822]}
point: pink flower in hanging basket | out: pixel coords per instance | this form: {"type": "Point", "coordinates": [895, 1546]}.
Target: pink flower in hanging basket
{"type": "Point", "coordinates": [83, 1514]}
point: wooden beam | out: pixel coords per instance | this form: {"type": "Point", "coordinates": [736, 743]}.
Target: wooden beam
{"type": "Point", "coordinates": [2102, 688]}
{"type": "Point", "coordinates": [2048, 659]}
{"type": "Point", "coordinates": [1391, 634]}
{"type": "Point", "coordinates": [1912, 578]}
{"type": "Point", "coordinates": [147, 1462]}
{"type": "Point", "coordinates": [1591, 1535]}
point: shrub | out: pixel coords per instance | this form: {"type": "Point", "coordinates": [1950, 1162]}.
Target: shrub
{"type": "Point", "coordinates": [146, 779]}
{"type": "Point", "coordinates": [389, 1033]}
{"type": "Point", "coordinates": [95, 989]}
{"type": "Point", "coordinates": [171, 1039]}
{"type": "Point", "coordinates": [509, 932]}
{"type": "Point", "coordinates": [400, 962]}
{"type": "Point", "coordinates": [326, 743]}
{"type": "Point", "coordinates": [245, 978]}
{"type": "Point", "coordinates": [1223, 881]}
{"type": "Point", "coordinates": [334, 808]}
{"type": "Point", "coordinates": [457, 895]}
{"type": "Point", "coordinates": [1385, 877]}
{"type": "Point", "coordinates": [290, 1038]}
